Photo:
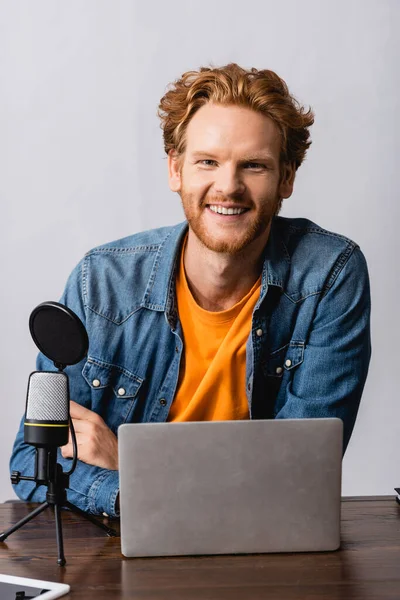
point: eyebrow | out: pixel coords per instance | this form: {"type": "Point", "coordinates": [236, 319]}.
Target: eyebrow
{"type": "Point", "coordinates": [248, 158]}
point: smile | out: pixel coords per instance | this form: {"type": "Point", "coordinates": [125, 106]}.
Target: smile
{"type": "Point", "coordinates": [226, 211]}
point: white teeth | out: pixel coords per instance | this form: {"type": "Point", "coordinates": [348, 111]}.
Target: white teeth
{"type": "Point", "coordinates": [226, 211]}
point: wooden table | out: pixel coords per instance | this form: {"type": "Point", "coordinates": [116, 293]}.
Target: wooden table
{"type": "Point", "coordinates": [366, 567]}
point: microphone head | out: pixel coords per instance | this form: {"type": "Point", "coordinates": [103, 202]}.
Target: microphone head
{"type": "Point", "coordinates": [47, 409]}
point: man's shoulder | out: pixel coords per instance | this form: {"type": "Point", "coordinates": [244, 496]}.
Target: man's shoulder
{"type": "Point", "coordinates": [297, 230]}
{"type": "Point", "coordinates": [149, 240]}
{"type": "Point", "coordinates": [313, 255]}
{"type": "Point", "coordinates": [138, 266]}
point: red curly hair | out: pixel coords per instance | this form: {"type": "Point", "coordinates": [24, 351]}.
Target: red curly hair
{"type": "Point", "coordinates": [262, 91]}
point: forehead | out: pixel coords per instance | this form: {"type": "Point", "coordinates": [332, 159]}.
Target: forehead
{"type": "Point", "coordinates": [232, 129]}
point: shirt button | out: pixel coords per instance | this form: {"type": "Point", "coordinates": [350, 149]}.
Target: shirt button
{"type": "Point", "coordinates": [259, 332]}
{"type": "Point", "coordinates": [288, 363]}
{"type": "Point", "coordinates": [278, 370]}
{"type": "Point", "coordinates": [121, 392]}
{"type": "Point", "coordinates": [163, 402]}
{"type": "Point", "coordinates": [95, 383]}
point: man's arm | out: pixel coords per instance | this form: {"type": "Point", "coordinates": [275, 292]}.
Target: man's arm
{"type": "Point", "coordinates": [330, 381]}
{"type": "Point", "coordinates": [92, 488]}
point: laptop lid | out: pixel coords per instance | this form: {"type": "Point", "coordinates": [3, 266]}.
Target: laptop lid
{"type": "Point", "coordinates": [225, 487]}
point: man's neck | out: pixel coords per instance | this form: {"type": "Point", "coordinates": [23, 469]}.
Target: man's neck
{"type": "Point", "coordinates": [218, 281]}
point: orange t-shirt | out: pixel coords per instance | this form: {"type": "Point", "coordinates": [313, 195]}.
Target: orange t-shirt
{"type": "Point", "coordinates": [212, 374]}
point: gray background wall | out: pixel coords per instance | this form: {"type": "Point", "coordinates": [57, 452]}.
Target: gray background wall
{"type": "Point", "coordinates": [82, 162]}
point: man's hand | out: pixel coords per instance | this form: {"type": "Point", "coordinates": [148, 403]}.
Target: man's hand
{"type": "Point", "coordinates": [97, 445]}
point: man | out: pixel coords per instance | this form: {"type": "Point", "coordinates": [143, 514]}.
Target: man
{"type": "Point", "coordinates": [235, 314]}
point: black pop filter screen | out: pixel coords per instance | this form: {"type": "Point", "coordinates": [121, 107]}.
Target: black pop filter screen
{"type": "Point", "coordinates": [58, 333]}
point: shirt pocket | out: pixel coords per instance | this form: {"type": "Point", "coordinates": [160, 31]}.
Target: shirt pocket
{"type": "Point", "coordinates": [114, 390]}
{"type": "Point", "coordinates": [286, 358]}
{"type": "Point", "coordinates": [278, 368]}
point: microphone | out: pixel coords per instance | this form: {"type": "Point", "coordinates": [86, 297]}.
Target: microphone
{"type": "Point", "coordinates": [47, 409]}
{"type": "Point", "coordinates": [61, 336]}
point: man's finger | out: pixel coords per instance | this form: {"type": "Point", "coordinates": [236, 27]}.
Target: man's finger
{"type": "Point", "coordinates": [67, 451]}
{"type": "Point", "coordinates": [80, 425]}
{"type": "Point", "coordinates": [77, 411]}
{"type": "Point", "coordinates": [84, 430]}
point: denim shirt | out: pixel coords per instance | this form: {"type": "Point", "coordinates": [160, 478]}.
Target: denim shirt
{"type": "Point", "coordinates": [307, 354]}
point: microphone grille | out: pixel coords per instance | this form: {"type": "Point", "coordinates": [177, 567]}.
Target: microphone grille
{"type": "Point", "coordinates": [47, 397]}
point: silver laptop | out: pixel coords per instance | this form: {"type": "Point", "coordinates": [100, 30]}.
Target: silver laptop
{"type": "Point", "coordinates": [227, 487]}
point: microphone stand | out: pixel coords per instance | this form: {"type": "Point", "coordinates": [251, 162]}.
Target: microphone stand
{"type": "Point", "coordinates": [49, 472]}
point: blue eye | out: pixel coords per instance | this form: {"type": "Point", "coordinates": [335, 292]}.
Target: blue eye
{"type": "Point", "coordinates": [256, 165]}
{"type": "Point", "coordinates": [252, 165]}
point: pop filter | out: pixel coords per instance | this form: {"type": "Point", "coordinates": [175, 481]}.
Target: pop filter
{"type": "Point", "coordinates": [58, 333]}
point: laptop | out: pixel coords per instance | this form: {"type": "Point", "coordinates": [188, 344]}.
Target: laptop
{"type": "Point", "coordinates": [228, 487]}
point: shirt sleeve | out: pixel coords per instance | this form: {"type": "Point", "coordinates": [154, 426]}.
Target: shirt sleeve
{"type": "Point", "coordinates": [92, 489]}
{"type": "Point", "coordinates": [331, 379]}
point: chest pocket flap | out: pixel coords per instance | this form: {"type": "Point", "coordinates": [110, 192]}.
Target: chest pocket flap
{"type": "Point", "coordinates": [284, 359]}
{"type": "Point", "coordinates": [99, 374]}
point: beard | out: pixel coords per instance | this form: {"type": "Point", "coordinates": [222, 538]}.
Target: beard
{"type": "Point", "coordinates": [256, 228]}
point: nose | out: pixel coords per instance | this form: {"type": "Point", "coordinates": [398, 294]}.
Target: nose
{"type": "Point", "coordinates": [228, 181]}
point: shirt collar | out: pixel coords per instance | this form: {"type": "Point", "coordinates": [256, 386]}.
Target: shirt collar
{"type": "Point", "coordinates": [277, 260]}
{"type": "Point", "coordinates": [160, 290]}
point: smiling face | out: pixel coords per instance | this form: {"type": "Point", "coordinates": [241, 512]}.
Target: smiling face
{"type": "Point", "coordinates": [229, 179]}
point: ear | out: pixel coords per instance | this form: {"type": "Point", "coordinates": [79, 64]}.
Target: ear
{"type": "Point", "coordinates": [174, 171]}
{"type": "Point", "coordinates": [287, 180]}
